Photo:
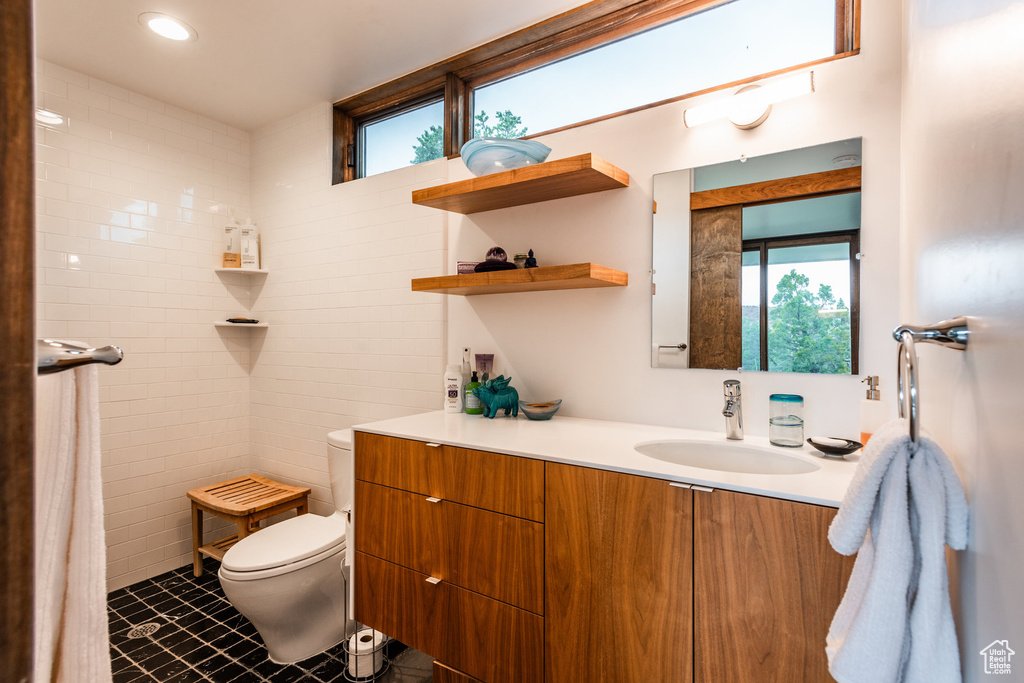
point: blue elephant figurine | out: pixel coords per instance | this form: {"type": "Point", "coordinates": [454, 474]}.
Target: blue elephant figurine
{"type": "Point", "coordinates": [497, 394]}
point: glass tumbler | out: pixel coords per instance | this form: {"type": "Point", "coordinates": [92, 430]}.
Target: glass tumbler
{"type": "Point", "coordinates": [786, 420]}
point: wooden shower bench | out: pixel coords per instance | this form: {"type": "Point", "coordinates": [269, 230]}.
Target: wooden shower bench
{"type": "Point", "coordinates": [244, 501]}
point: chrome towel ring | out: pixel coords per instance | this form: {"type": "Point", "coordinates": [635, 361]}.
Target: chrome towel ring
{"type": "Point", "coordinates": [952, 334]}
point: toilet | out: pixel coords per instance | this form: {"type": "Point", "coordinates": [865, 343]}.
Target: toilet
{"type": "Point", "coordinates": [291, 579]}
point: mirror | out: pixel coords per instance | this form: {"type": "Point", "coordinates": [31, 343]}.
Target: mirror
{"type": "Point", "coordinates": [756, 263]}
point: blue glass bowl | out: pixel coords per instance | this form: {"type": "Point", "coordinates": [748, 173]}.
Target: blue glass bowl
{"type": "Point", "coordinates": [540, 410]}
{"type": "Point", "coordinates": [483, 156]}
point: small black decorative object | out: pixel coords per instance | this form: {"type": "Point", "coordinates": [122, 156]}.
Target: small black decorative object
{"type": "Point", "coordinates": [530, 261]}
{"type": "Point", "coordinates": [496, 254]}
{"type": "Point", "coordinates": [834, 447]}
{"type": "Point", "coordinates": [497, 259]}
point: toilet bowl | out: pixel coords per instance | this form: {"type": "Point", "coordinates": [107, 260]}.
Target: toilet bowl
{"type": "Point", "coordinates": [291, 579]}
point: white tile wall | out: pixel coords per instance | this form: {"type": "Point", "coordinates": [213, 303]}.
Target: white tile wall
{"type": "Point", "coordinates": [132, 197]}
{"type": "Point", "coordinates": [348, 342]}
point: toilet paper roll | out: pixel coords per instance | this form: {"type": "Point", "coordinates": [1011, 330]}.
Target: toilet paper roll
{"type": "Point", "coordinates": [366, 654]}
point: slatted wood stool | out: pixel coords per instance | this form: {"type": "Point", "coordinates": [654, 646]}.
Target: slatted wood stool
{"type": "Point", "coordinates": [244, 501]}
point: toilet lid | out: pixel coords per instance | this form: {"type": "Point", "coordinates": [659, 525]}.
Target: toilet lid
{"type": "Point", "coordinates": [289, 541]}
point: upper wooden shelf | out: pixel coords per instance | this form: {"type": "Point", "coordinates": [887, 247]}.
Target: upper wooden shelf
{"type": "Point", "coordinates": [574, 276]}
{"type": "Point", "coordinates": [569, 177]}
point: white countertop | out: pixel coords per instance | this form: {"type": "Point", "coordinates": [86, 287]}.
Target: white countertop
{"type": "Point", "coordinates": [609, 446]}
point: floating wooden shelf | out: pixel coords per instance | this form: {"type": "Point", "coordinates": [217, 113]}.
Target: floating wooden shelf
{"type": "Point", "coordinates": [570, 177]}
{"type": "Point", "coordinates": [574, 276]}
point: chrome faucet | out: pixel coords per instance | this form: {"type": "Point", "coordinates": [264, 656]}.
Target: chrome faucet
{"type": "Point", "coordinates": [733, 410]}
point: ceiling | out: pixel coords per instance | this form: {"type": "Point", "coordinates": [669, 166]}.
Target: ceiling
{"type": "Point", "coordinates": [257, 61]}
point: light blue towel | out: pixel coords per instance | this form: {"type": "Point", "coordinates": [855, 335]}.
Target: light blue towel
{"type": "Point", "coordinates": [895, 623]}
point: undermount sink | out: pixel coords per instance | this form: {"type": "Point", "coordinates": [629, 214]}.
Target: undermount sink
{"type": "Point", "coordinates": [724, 457]}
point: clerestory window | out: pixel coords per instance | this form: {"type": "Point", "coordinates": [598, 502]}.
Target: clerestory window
{"type": "Point", "coordinates": [604, 59]}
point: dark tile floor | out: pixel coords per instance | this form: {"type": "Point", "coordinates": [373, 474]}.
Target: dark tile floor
{"type": "Point", "coordinates": [199, 636]}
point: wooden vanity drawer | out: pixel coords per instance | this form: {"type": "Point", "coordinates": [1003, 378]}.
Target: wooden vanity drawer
{"type": "Point", "coordinates": [401, 463]}
{"type": "Point", "coordinates": [481, 637]}
{"type": "Point", "coordinates": [492, 481]}
{"type": "Point", "coordinates": [496, 482]}
{"type": "Point", "coordinates": [497, 555]}
{"type": "Point", "coordinates": [402, 604]}
{"type": "Point", "coordinates": [401, 527]}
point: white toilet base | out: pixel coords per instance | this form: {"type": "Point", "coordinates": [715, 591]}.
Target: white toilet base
{"type": "Point", "coordinates": [298, 614]}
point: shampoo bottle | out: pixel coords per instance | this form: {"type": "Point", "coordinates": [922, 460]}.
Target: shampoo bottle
{"type": "Point", "coordinates": [453, 390]}
{"type": "Point", "coordinates": [250, 246]}
{"type": "Point", "coordinates": [872, 410]}
{"type": "Point", "coordinates": [473, 404]}
{"type": "Point", "coordinates": [232, 245]}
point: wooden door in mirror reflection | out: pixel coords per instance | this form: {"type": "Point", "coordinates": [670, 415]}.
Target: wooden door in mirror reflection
{"type": "Point", "coordinates": [716, 316]}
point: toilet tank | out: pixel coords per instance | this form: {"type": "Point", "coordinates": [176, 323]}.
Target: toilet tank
{"type": "Point", "coordinates": [340, 467]}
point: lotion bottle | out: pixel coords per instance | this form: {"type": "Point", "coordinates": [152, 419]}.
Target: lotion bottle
{"type": "Point", "coordinates": [872, 410]}
{"type": "Point", "coordinates": [453, 390]}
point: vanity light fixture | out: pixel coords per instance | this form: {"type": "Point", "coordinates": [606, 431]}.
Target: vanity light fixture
{"type": "Point", "coordinates": [749, 106]}
{"type": "Point", "coordinates": [168, 27]}
{"type": "Point", "coordinates": [48, 117]}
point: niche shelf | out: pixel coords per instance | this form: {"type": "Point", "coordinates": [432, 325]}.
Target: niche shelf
{"type": "Point", "coordinates": [224, 323]}
{"type": "Point", "coordinates": [573, 276]}
{"type": "Point", "coordinates": [578, 175]}
{"type": "Point", "coordinates": [247, 271]}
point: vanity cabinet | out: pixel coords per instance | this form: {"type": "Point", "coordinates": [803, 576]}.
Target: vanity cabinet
{"type": "Point", "coordinates": [619, 573]}
{"type": "Point", "coordinates": [513, 570]}
{"type": "Point", "coordinates": [449, 554]}
{"type": "Point", "coordinates": [647, 581]}
{"type": "Point", "coordinates": [766, 585]}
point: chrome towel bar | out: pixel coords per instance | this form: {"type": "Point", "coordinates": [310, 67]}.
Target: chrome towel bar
{"type": "Point", "coordinates": [53, 355]}
{"type": "Point", "coordinates": [953, 334]}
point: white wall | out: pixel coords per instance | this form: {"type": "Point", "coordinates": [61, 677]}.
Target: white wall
{"type": "Point", "coordinates": [592, 347]}
{"type": "Point", "coordinates": [963, 158]}
{"type": "Point", "coordinates": [348, 342]}
{"type": "Point", "coordinates": [132, 196]}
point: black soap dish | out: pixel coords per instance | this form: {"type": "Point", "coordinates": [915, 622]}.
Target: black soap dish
{"type": "Point", "coordinates": [834, 447]}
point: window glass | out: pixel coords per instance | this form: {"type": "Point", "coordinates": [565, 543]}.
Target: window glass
{"type": "Point", "coordinates": [411, 137]}
{"type": "Point", "coordinates": [750, 299]}
{"type": "Point", "coordinates": [809, 309]}
{"type": "Point", "coordinates": [727, 43]}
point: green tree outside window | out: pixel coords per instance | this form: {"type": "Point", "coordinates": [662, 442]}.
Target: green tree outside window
{"type": "Point", "coordinates": [807, 331]}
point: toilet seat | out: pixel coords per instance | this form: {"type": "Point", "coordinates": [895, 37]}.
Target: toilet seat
{"type": "Point", "coordinates": [285, 547]}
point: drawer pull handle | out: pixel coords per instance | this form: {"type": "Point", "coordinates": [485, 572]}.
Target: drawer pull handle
{"type": "Point", "coordinates": [435, 581]}
{"type": "Point", "coordinates": [433, 500]}
{"type": "Point", "coordinates": [679, 484]}
{"type": "Point", "coordinates": [706, 489]}
{"type": "Point", "coordinates": [434, 445]}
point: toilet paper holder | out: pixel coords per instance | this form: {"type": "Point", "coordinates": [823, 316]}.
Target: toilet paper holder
{"type": "Point", "coordinates": [364, 655]}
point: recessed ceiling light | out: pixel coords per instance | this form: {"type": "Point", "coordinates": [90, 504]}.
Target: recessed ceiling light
{"type": "Point", "coordinates": [48, 117]}
{"type": "Point", "coordinates": [168, 27]}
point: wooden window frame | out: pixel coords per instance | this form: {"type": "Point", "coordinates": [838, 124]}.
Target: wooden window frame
{"type": "Point", "coordinates": [584, 28]}
{"type": "Point", "coordinates": [852, 237]}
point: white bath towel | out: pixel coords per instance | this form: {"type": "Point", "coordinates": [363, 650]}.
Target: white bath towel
{"type": "Point", "coordinates": [71, 639]}
{"type": "Point", "coordinates": [894, 622]}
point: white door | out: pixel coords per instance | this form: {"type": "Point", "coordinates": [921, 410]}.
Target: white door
{"type": "Point", "coordinates": [963, 203]}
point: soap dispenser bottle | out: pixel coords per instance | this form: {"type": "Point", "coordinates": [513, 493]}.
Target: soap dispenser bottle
{"type": "Point", "coordinates": [473, 404]}
{"type": "Point", "coordinates": [872, 410]}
